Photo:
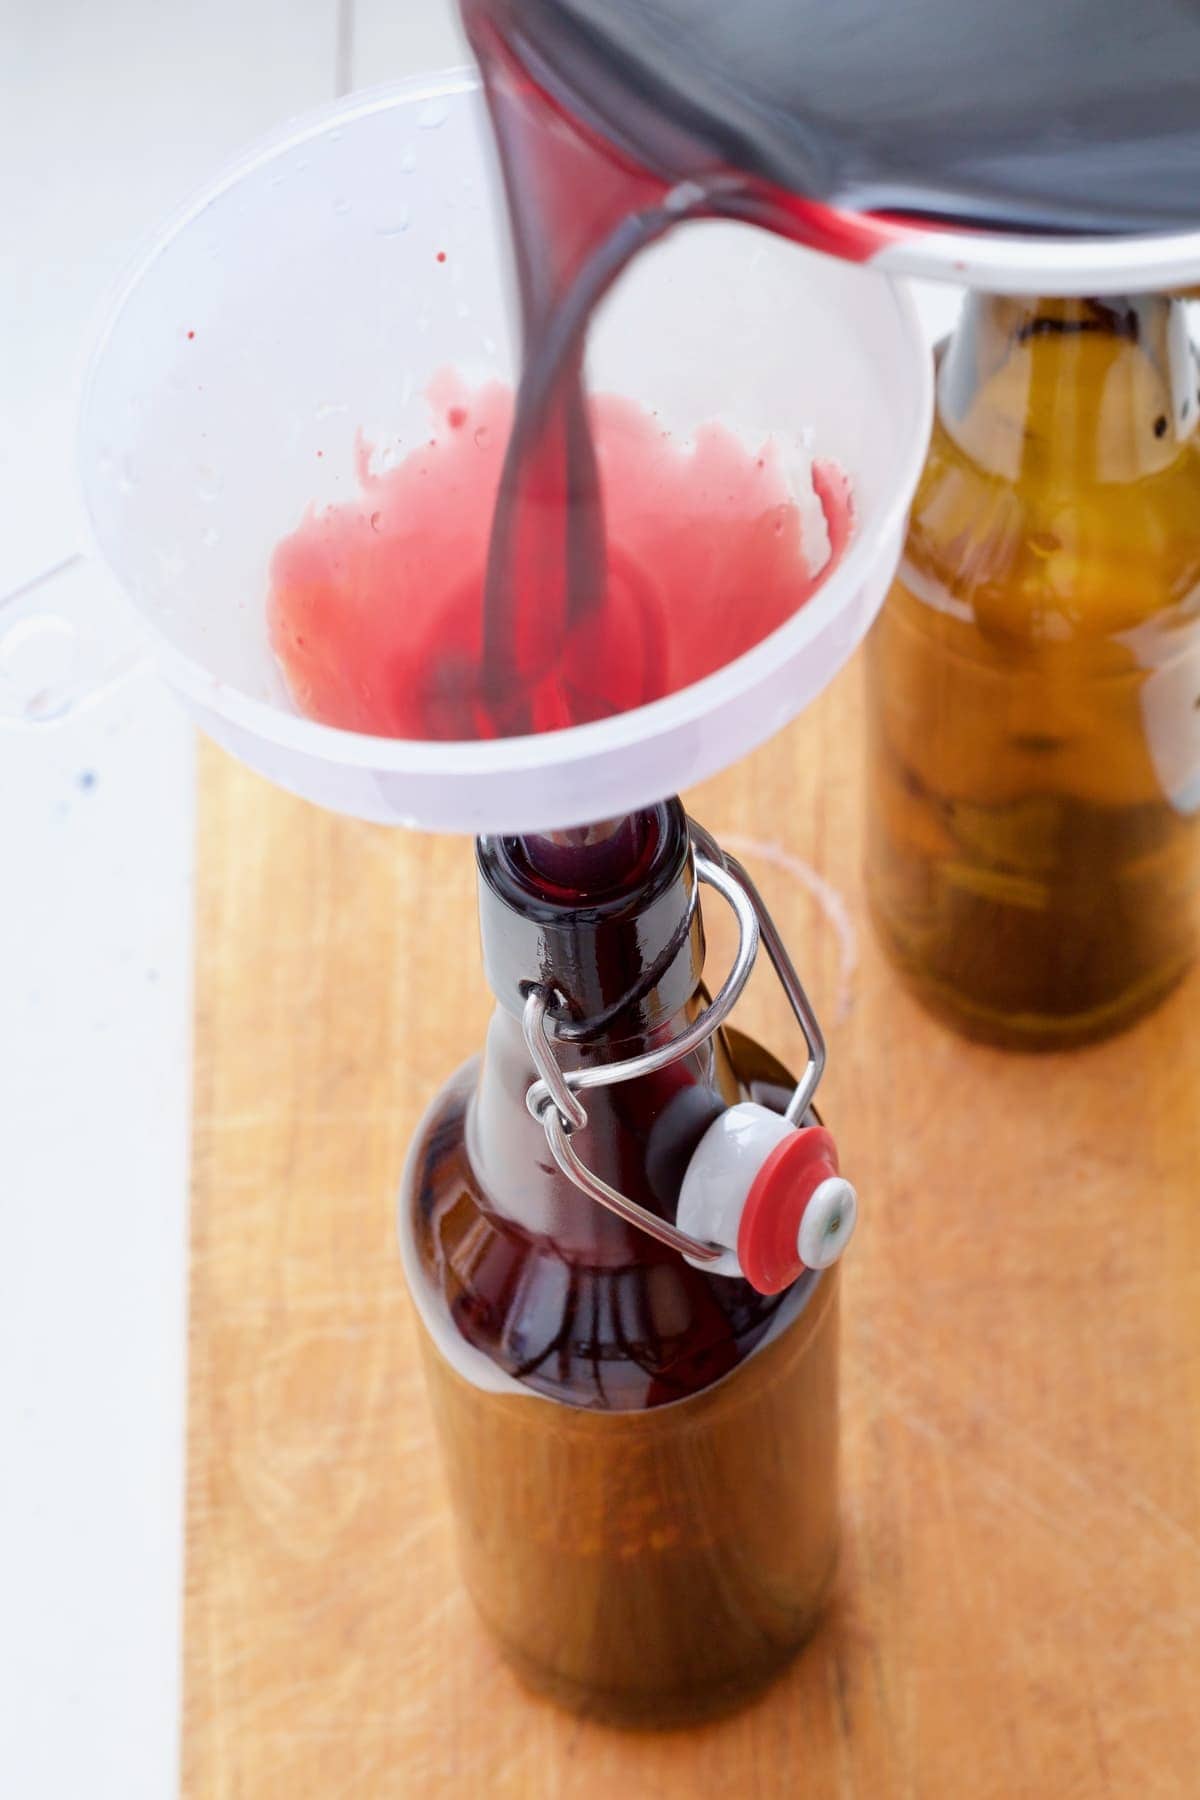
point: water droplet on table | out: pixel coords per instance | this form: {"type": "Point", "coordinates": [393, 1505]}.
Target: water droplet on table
{"type": "Point", "coordinates": [37, 661]}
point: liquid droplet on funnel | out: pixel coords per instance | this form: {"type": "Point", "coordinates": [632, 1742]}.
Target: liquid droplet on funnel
{"type": "Point", "coordinates": [408, 162]}
{"type": "Point", "coordinates": [209, 537]}
{"type": "Point", "coordinates": [209, 483]}
{"type": "Point", "coordinates": [401, 221]}
{"type": "Point", "coordinates": [376, 521]}
{"type": "Point", "coordinates": [342, 205]}
{"type": "Point", "coordinates": [127, 475]}
{"type": "Point", "coordinates": [432, 114]}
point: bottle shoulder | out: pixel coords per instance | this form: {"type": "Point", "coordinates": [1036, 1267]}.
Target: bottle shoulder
{"type": "Point", "coordinates": [625, 1334]}
{"type": "Point", "coordinates": [1042, 560]}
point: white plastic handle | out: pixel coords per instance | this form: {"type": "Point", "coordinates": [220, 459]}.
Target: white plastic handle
{"type": "Point", "coordinates": [67, 638]}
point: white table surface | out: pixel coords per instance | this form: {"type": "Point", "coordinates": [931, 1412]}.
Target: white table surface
{"type": "Point", "coordinates": [109, 113]}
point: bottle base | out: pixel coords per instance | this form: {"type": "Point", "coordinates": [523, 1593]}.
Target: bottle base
{"type": "Point", "coordinates": [1026, 1031]}
{"type": "Point", "coordinates": [659, 1709]}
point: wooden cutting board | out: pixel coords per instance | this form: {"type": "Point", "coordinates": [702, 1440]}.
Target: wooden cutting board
{"type": "Point", "coordinates": [1019, 1603]}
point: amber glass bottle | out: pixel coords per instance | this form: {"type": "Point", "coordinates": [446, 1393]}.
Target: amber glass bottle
{"type": "Point", "coordinates": [1034, 678]}
{"type": "Point", "coordinates": [642, 1456]}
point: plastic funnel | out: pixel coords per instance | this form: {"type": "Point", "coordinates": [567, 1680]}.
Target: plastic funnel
{"type": "Point", "coordinates": [299, 301]}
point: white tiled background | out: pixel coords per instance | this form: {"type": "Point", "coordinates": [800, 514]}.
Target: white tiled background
{"type": "Point", "coordinates": [109, 112]}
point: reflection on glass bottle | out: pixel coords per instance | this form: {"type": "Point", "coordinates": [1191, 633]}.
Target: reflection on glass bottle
{"type": "Point", "coordinates": [1034, 678]}
{"type": "Point", "coordinates": [642, 1456]}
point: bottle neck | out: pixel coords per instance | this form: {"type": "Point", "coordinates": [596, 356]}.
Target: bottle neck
{"type": "Point", "coordinates": [611, 928]}
{"type": "Point", "coordinates": [605, 919]}
{"type": "Point", "coordinates": [1069, 391]}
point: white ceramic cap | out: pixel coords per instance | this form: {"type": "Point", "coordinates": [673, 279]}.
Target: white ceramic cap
{"type": "Point", "coordinates": [723, 1169]}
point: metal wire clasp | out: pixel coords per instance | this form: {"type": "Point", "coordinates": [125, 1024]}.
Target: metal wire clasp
{"type": "Point", "coordinates": [553, 1099]}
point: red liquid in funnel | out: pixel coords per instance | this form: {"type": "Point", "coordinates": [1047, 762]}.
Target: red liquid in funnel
{"type": "Point", "coordinates": [377, 611]}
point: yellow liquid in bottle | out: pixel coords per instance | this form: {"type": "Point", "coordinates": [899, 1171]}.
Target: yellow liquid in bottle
{"type": "Point", "coordinates": [1034, 677]}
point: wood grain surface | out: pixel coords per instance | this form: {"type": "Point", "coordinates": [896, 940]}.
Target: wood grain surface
{"type": "Point", "coordinates": [1018, 1611]}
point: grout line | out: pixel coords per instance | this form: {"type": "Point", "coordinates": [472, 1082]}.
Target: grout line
{"type": "Point", "coordinates": [46, 576]}
{"type": "Point", "coordinates": [343, 77]}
